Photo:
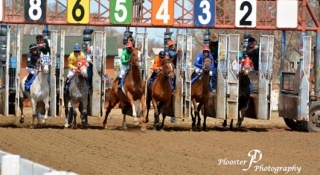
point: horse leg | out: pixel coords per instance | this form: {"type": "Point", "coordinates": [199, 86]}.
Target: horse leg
{"type": "Point", "coordinates": [164, 113]}
{"type": "Point", "coordinates": [144, 114]}
{"type": "Point", "coordinates": [21, 109]}
{"type": "Point", "coordinates": [240, 119]}
{"type": "Point", "coordinates": [113, 101]}
{"type": "Point", "coordinates": [193, 116]}
{"type": "Point", "coordinates": [84, 113]}
{"type": "Point", "coordinates": [204, 126]}
{"type": "Point", "coordinates": [134, 112]}
{"type": "Point", "coordinates": [46, 103]}
{"type": "Point", "coordinates": [34, 112]}
{"type": "Point", "coordinates": [198, 114]}
{"type": "Point", "coordinates": [225, 123]}
{"type": "Point", "coordinates": [156, 114]}
{"type": "Point", "coordinates": [148, 104]}
{"type": "Point", "coordinates": [74, 115]}
{"type": "Point", "coordinates": [66, 107]}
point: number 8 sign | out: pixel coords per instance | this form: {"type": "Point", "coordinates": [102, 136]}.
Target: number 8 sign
{"type": "Point", "coordinates": [246, 13]}
{"type": "Point", "coordinates": [35, 11]}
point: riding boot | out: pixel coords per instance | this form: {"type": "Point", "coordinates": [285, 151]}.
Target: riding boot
{"type": "Point", "coordinates": [66, 87]}
{"type": "Point", "coordinates": [119, 83]}
{"type": "Point", "coordinates": [28, 78]}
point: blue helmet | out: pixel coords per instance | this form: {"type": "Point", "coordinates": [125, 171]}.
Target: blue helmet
{"type": "Point", "coordinates": [240, 55]}
{"type": "Point", "coordinates": [76, 48]}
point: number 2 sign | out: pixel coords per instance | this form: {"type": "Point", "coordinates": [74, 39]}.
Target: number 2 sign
{"type": "Point", "coordinates": [162, 12]}
{"type": "Point", "coordinates": [246, 13]}
{"type": "Point", "coordinates": [78, 11]}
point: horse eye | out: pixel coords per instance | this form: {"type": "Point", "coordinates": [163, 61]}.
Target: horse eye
{"type": "Point", "coordinates": [41, 61]}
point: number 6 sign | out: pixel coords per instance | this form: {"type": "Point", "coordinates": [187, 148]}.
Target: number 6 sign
{"type": "Point", "coordinates": [246, 13]}
{"type": "Point", "coordinates": [162, 12]}
{"type": "Point", "coordinates": [78, 11]}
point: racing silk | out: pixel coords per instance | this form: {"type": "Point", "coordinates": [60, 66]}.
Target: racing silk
{"type": "Point", "coordinates": [198, 62]}
{"type": "Point", "coordinates": [125, 57]}
{"type": "Point", "coordinates": [32, 60]}
{"type": "Point", "coordinates": [157, 63]}
{"type": "Point", "coordinates": [45, 50]}
{"type": "Point", "coordinates": [73, 60]}
{"type": "Point", "coordinates": [173, 54]}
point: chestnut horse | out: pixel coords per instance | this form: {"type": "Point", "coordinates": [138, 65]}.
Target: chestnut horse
{"type": "Point", "coordinates": [200, 93]}
{"type": "Point", "coordinates": [160, 93]}
{"type": "Point", "coordinates": [133, 89]}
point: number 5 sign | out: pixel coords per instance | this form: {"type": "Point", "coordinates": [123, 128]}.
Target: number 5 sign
{"type": "Point", "coordinates": [246, 13]}
{"type": "Point", "coordinates": [162, 12]}
{"type": "Point", "coordinates": [120, 11]}
{"type": "Point", "coordinates": [78, 11]}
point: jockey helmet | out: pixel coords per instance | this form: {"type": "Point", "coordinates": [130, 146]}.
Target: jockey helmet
{"type": "Point", "coordinates": [84, 46]}
{"type": "Point", "coordinates": [206, 47]}
{"type": "Point", "coordinates": [76, 48]}
{"type": "Point", "coordinates": [129, 44]}
{"type": "Point", "coordinates": [162, 54]}
{"type": "Point", "coordinates": [251, 41]}
{"type": "Point", "coordinates": [170, 43]}
{"type": "Point", "coordinates": [39, 36]}
{"type": "Point", "coordinates": [240, 55]}
{"type": "Point", "coordinates": [33, 47]}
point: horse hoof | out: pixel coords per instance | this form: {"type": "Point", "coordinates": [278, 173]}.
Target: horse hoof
{"type": "Point", "coordinates": [31, 127]}
{"type": "Point", "coordinates": [143, 129]}
{"type": "Point", "coordinates": [22, 120]}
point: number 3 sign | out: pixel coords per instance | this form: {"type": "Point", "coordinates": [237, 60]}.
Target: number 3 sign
{"type": "Point", "coordinates": [35, 11]}
{"type": "Point", "coordinates": [78, 11]}
{"type": "Point", "coordinates": [246, 13]}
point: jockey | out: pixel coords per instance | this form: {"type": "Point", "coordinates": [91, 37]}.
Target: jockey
{"type": "Point", "coordinates": [72, 62]}
{"type": "Point", "coordinates": [198, 64]}
{"type": "Point", "coordinates": [87, 50]}
{"type": "Point", "coordinates": [173, 52]}
{"type": "Point", "coordinates": [33, 57]}
{"type": "Point", "coordinates": [44, 48]}
{"type": "Point", "coordinates": [125, 65]}
{"type": "Point", "coordinates": [157, 65]}
{"type": "Point", "coordinates": [253, 52]}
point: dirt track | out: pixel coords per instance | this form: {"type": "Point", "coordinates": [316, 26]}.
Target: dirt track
{"type": "Point", "coordinates": [175, 150]}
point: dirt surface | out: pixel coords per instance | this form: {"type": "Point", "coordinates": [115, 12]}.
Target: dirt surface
{"type": "Point", "coordinates": [175, 150]}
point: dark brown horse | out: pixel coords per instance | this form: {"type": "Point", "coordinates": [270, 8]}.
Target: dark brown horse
{"type": "Point", "coordinates": [160, 93]}
{"type": "Point", "coordinates": [244, 91]}
{"type": "Point", "coordinates": [200, 93]}
{"type": "Point", "coordinates": [134, 89]}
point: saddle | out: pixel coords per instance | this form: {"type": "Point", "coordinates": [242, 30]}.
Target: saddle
{"type": "Point", "coordinates": [29, 83]}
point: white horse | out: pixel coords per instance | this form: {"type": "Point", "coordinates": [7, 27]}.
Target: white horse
{"type": "Point", "coordinates": [39, 92]}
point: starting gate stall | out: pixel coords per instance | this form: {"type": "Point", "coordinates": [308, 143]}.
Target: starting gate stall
{"type": "Point", "coordinates": [142, 40]}
{"type": "Point", "coordinates": [61, 73]}
{"type": "Point", "coordinates": [54, 90]}
{"type": "Point", "coordinates": [261, 81]}
{"type": "Point", "coordinates": [298, 108]}
{"type": "Point", "coordinates": [188, 69]}
{"type": "Point", "coordinates": [226, 97]}
{"type": "Point", "coordinates": [97, 98]}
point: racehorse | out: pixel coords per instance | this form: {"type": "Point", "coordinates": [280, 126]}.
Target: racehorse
{"type": "Point", "coordinates": [244, 91]}
{"type": "Point", "coordinates": [200, 93]}
{"type": "Point", "coordinates": [39, 92]}
{"type": "Point", "coordinates": [133, 89]}
{"type": "Point", "coordinates": [160, 93]}
{"type": "Point", "coordinates": [77, 93]}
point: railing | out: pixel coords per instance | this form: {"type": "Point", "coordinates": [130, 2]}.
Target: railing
{"type": "Point", "coordinates": [16, 165]}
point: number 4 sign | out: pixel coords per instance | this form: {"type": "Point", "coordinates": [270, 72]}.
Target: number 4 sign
{"type": "Point", "coordinates": [246, 13]}
{"type": "Point", "coordinates": [162, 12]}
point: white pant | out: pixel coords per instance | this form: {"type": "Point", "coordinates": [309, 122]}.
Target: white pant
{"type": "Point", "coordinates": [31, 70]}
{"type": "Point", "coordinates": [198, 70]}
{"type": "Point", "coordinates": [123, 68]}
{"type": "Point", "coordinates": [71, 73]}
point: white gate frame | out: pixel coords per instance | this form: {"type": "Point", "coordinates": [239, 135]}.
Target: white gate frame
{"type": "Point", "coordinates": [142, 40]}
{"type": "Point", "coordinates": [303, 105]}
{"type": "Point", "coordinates": [99, 56]}
{"type": "Point", "coordinates": [53, 88]}
{"type": "Point", "coordinates": [18, 71]}
{"type": "Point", "coordinates": [265, 77]}
{"type": "Point", "coordinates": [188, 72]}
{"type": "Point", "coordinates": [61, 76]}
{"type": "Point", "coordinates": [6, 103]}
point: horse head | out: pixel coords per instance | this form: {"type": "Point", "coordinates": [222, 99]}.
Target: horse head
{"type": "Point", "coordinates": [206, 65]}
{"type": "Point", "coordinates": [134, 60]}
{"type": "Point", "coordinates": [42, 66]}
{"type": "Point", "coordinates": [167, 68]}
{"type": "Point", "coordinates": [247, 65]}
{"type": "Point", "coordinates": [82, 67]}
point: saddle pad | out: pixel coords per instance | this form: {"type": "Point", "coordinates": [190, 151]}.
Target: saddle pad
{"type": "Point", "coordinates": [195, 78]}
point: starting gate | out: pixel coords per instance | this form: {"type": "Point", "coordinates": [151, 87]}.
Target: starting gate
{"type": "Point", "coordinates": [142, 40]}
{"type": "Point", "coordinates": [187, 77]}
{"type": "Point", "coordinates": [99, 55]}
{"type": "Point", "coordinates": [53, 84]}
{"type": "Point", "coordinates": [260, 103]}
{"type": "Point", "coordinates": [61, 72]}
